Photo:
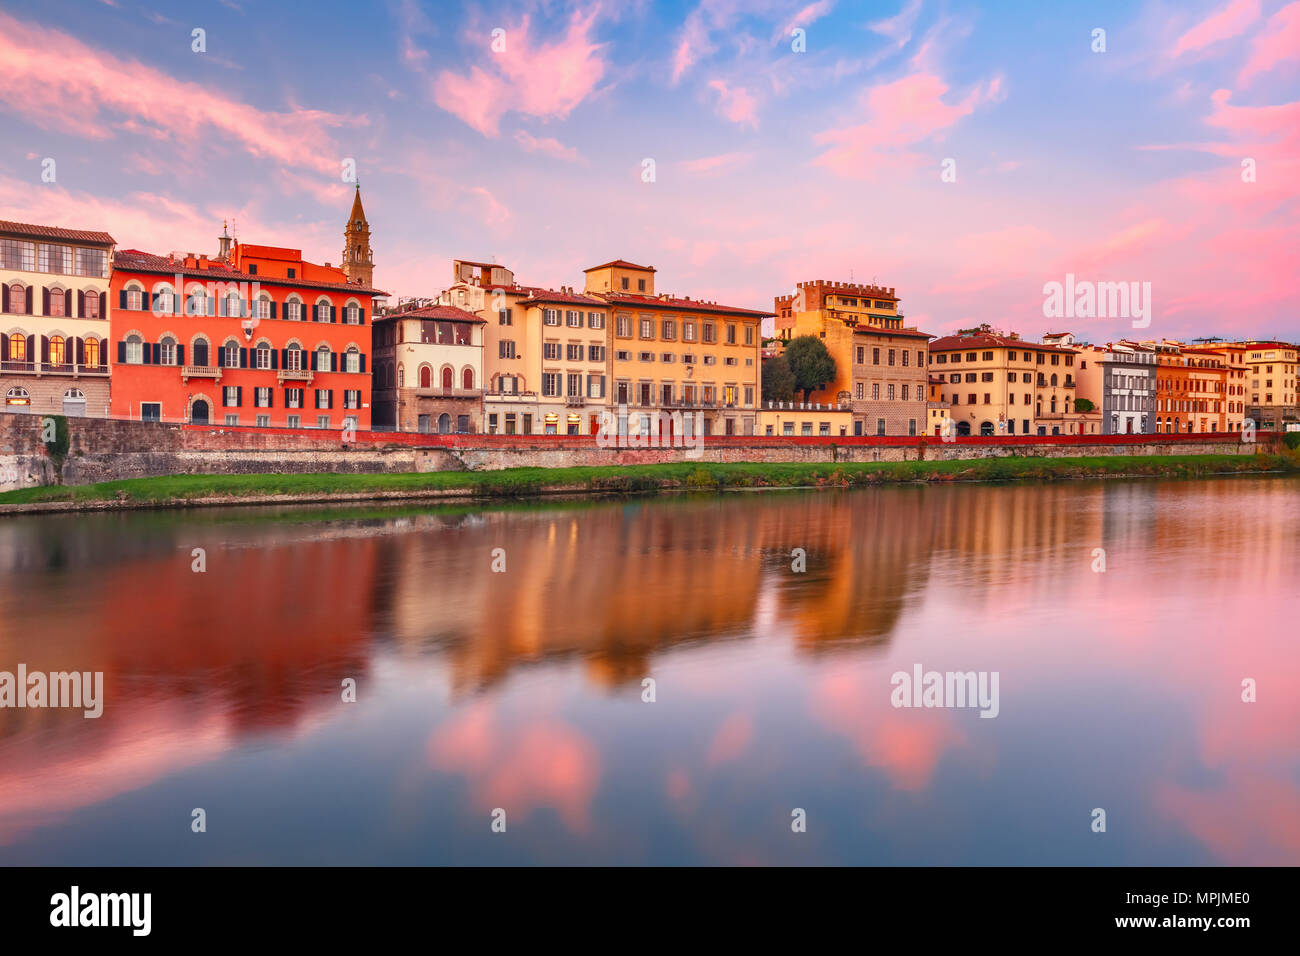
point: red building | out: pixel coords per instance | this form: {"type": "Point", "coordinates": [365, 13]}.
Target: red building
{"type": "Point", "coordinates": [253, 336]}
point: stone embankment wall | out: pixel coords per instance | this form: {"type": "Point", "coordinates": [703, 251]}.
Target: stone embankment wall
{"type": "Point", "coordinates": [108, 449]}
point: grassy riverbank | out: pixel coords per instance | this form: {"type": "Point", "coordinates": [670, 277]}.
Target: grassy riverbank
{"type": "Point", "coordinates": [182, 490]}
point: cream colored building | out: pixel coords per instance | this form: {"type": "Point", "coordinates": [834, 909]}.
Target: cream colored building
{"type": "Point", "coordinates": [805, 420]}
{"type": "Point", "coordinates": [54, 356]}
{"type": "Point", "coordinates": [428, 362]}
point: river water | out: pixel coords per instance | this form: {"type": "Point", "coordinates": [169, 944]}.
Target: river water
{"type": "Point", "coordinates": [500, 656]}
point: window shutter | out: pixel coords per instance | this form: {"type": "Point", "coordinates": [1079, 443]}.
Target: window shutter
{"type": "Point", "coordinates": [273, 309]}
{"type": "Point", "coordinates": [221, 357]}
{"type": "Point", "coordinates": [334, 361]}
{"type": "Point", "coordinates": [221, 306]}
{"type": "Point", "coordinates": [4, 298]}
{"type": "Point", "coordinates": [180, 355]}
{"type": "Point", "coordinates": [334, 314]}
{"type": "Point", "coordinates": [31, 346]}
{"type": "Point", "coordinates": [331, 395]}
{"type": "Point", "coordinates": [81, 303]}
{"type": "Point", "coordinates": [361, 314]}
{"type": "Point", "coordinates": [284, 358]}
{"type": "Point", "coordinates": [275, 356]}
{"type": "Point", "coordinates": [29, 300]}
{"type": "Point", "coordinates": [121, 298]}
{"type": "Point", "coordinates": [243, 358]}
{"type": "Point", "coordinates": [4, 348]}
{"type": "Point", "coordinates": [121, 353]}
{"type": "Point", "coordinates": [270, 398]}
{"type": "Point", "coordinates": [45, 349]}
{"type": "Point", "coordinates": [103, 305]}
{"type": "Point", "coordinates": [239, 396]}
{"type": "Point", "coordinates": [45, 301]}
{"type": "Point", "coordinates": [363, 361]}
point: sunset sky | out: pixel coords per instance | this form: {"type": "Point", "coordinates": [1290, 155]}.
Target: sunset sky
{"type": "Point", "coordinates": [771, 165]}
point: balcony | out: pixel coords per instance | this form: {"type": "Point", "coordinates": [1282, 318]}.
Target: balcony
{"type": "Point", "coordinates": [449, 393]}
{"type": "Point", "coordinates": [200, 371]}
{"type": "Point", "coordinates": [294, 375]}
{"type": "Point", "coordinates": [806, 406]}
{"type": "Point", "coordinates": [50, 368]}
{"type": "Point", "coordinates": [575, 401]}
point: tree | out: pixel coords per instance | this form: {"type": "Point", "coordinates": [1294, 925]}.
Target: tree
{"type": "Point", "coordinates": [1083, 405]}
{"type": "Point", "coordinates": [778, 380]}
{"type": "Point", "coordinates": [810, 362]}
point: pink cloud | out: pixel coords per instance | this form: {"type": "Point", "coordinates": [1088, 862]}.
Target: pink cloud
{"type": "Point", "coordinates": [55, 81]}
{"type": "Point", "coordinates": [1278, 42]}
{"type": "Point", "coordinates": [542, 80]}
{"type": "Point", "coordinates": [723, 162]}
{"type": "Point", "coordinates": [547, 146]}
{"type": "Point", "coordinates": [1229, 22]}
{"type": "Point", "coordinates": [735, 103]}
{"type": "Point", "coordinates": [898, 116]}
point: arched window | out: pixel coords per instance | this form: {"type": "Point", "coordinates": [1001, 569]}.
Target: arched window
{"type": "Point", "coordinates": [293, 358]}
{"type": "Point", "coordinates": [58, 302]}
{"type": "Point", "coordinates": [444, 424]}
{"type": "Point", "coordinates": [293, 309]}
{"type": "Point", "coordinates": [467, 378]}
{"type": "Point", "coordinates": [92, 305]}
{"type": "Point", "coordinates": [263, 306]}
{"type": "Point", "coordinates": [262, 355]}
{"type": "Point", "coordinates": [426, 376]}
{"type": "Point", "coordinates": [134, 350]}
{"type": "Point", "coordinates": [18, 347]}
{"type": "Point", "coordinates": [446, 379]}
{"type": "Point", "coordinates": [231, 356]}
{"type": "Point", "coordinates": [401, 377]}
{"type": "Point", "coordinates": [167, 351]}
{"type": "Point", "coordinates": [18, 299]}
{"type": "Point", "coordinates": [92, 353]}
{"type": "Point", "coordinates": [1053, 379]}
{"type": "Point", "coordinates": [201, 352]}
{"type": "Point", "coordinates": [234, 307]}
{"type": "Point", "coordinates": [165, 303]}
{"type": "Point", "coordinates": [323, 358]}
{"type": "Point", "coordinates": [323, 311]}
{"type": "Point", "coordinates": [18, 396]}
{"type": "Point", "coordinates": [58, 350]}
{"type": "Point", "coordinates": [352, 361]}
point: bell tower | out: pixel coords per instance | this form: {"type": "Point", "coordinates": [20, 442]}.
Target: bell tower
{"type": "Point", "coordinates": [358, 262]}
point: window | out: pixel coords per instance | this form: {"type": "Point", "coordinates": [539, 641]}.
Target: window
{"type": "Point", "coordinates": [295, 421]}
{"type": "Point", "coordinates": [595, 320]}
{"type": "Point", "coordinates": [293, 310]}
{"type": "Point", "coordinates": [323, 359]}
{"type": "Point", "coordinates": [264, 421]}
{"type": "Point", "coordinates": [506, 349]}
{"type": "Point", "coordinates": [91, 348]}
{"type": "Point", "coordinates": [230, 396]}
{"type": "Point", "coordinates": [550, 383]}
{"type": "Point", "coordinates": [595, 353]}
{"type": "Point", "coordinates": [352, 398]}
{"type": "Point", "coordinates": [573, 319]}
{"type": "Point", "coordinates": [322, 311]}
{"type": "Point", "coordinates": [232, 419]}
{"type": "Point", "coordinates": [16, 254]}
{"type": "Point", "coordinates": [710, 332]}
{"type": "Point", "coordinates": [167, 351]}
{"type": "Point", "coordinates": [324, 398]}
{"type": "Point", "coordinates": [875, 391]}
{"type": "Point", "coordinates": [262, 356]}
{"type": "Point", "coordinates": [669, 329]}
{"type": "Point", "coordinates": [352, 360]}
{"type": "Point", "coordinates": [551, 351]}
{"type": "Point", "coordinates": [573, 352]}
{"type": "Point", "coordinates": [890, 393]}
{"type": "Point", "coordinates": [322, 421]}
{"type": "Point", "coordinates": [550, 316]}
{"type": "Point", "coordinates": [134, 350]}
{"type": "Point", "coordinates": [647, 328]}
{"type": "Point", "coordinates": [875, 356]}
{"type": "Point", "coordinates": [352, 315]}
{"type": "Point", "coordinates": [504, 317]}
{"type": "Point", "coordinates": [640, 285]}
{"type": "Point", "coordinates": [731, 334]}
{"type": "Point", "coordinates": [688, 331]}
{"type": "Point", "coordinates": [262, 307]}
{"type": "Point", "coordinates": [293, 398]}
{"type": "Point", "coordinates": [623, 326]}
{"type": "Point", "coordinates": [150, 411]}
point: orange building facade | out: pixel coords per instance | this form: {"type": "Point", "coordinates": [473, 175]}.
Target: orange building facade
{"type": "Point", "coordinates": [254, 336]}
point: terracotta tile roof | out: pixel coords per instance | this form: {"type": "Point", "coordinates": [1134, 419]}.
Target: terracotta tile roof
{"type": "Point", "coordinates": [568, 298]}
{"type": "Point", "coordinates": [620, 264]}
{"type": "Point", "coordinates": [445, 312]}
{"type": "Point", "coordinates": [955, 343]}
{"type": "Point", "coordinates": [680, 305]}
{"type": "Point", "coordinates": [32, 231]}
{"type": "Point", "coordinates": [133, 260]}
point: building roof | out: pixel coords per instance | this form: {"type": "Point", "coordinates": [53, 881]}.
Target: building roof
{"type": "Point", "coordinates": [679, 305]}
{"type": "Point", "coordinates": [878, 330]}
{"type": "Point", "coordinates": [536, 295]}
{"type": "Point", "coordinates": [444, 312]}
{"type": "Point", "coordinates": [133, 260]}
{"type": "Point", "coordinates": [992, 340]}
{"type": "Point", "coordinates": [357, 211]}
{"type": "Point", "coordinates": [620, 264]}
{"type": "Point", "coordinates": [33, 231]}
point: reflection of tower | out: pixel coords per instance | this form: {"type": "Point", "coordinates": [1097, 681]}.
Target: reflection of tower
{"type": "Point", "coordinates": [358, 263]}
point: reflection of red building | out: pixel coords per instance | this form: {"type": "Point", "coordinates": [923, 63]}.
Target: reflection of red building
{"type": "Point", "coordinates": [253, 336]}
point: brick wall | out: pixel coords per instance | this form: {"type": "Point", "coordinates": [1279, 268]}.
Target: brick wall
{"type": "Point", "coordinates": [110, 449]}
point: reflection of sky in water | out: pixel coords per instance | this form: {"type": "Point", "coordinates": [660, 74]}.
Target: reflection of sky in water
{"type": "Point", "coordinates": [523, 690]}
